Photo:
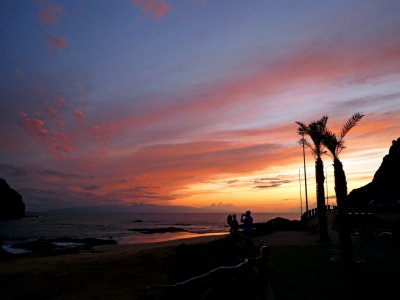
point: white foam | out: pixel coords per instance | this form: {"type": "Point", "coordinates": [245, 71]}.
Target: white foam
{"type": "Point", "coordinates": [10, 249]}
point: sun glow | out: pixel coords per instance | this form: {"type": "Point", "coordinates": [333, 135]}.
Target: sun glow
{"type": "Point", "coordinates": [187, 112]}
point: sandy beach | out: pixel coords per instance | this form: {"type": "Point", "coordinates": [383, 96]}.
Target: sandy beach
{"type": "Point", "coordinates": [108, 272]}
{"type": "Point", "coordinates": [299, 267]}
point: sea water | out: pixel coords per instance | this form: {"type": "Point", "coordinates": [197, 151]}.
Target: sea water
{"type": "Point", "coordinates": [117, 226]}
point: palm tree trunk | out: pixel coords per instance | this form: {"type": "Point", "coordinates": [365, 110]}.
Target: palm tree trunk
{"type": "Point", "coordinates": [346, 248]}
{"type": "Point", "coordinates": [340, 183]}
{"type": "Point", "coordinates": [320, 178]}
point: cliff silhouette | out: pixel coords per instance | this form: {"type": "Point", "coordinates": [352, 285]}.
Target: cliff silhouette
{"type": "Point", "coordinates": [11, 204]}
{"type": "Point", "coordinates": [384, 189]}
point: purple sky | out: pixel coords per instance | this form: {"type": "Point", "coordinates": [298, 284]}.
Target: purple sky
{"type": "Point", "coordinates": [189, 102]}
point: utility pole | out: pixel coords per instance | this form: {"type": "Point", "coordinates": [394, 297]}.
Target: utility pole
{"type": "Point", "coordinates": [305, 173]}
{"type": "Point", "coordinates": [301, 199]}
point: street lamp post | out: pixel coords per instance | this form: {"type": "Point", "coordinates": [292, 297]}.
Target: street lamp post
{"type": "Point", "coordinates": [301, 198]}
{"type": "Point", "coordinates": [305, 174]}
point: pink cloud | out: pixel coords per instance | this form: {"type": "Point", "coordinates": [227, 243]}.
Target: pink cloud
{"type": "Point", "coordinates": [51, 14]}
{"type": "Point", "coordinates": [54, 113]}
{"type": "Point", "coordinates": [35, 126]}
{"type": "Point", "coordinates": [50, 124]}
{"type": "Point", "coordinates": [169, 169]}
{"type": "Point", "coordinates": [57, 42]}
{"type": "Point", "coordinates": [156, 8]}
{"type": "Point", "coordinates": [52, 118]}
{"type": "Point", "coordinates": [174, 167]}
{"type": "Point", "coordinates": [196, 109]}
{"type": "Point", "coordinates": [60, 143]}
{"type": "Point", "coordinates": [101, 133]}
{"type": "Point", "coordinates": [60, 101]}
{"type": "Point", "coordinates": [56, 142]}
{"type": "Point", "coordinates": [279, 133]}
{"type": "Point", "coordinates": [307, 67]}
{"type": "Point", "coordinates": [79, 115]}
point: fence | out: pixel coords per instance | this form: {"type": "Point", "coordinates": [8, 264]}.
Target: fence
{"type": "Point", "coordinates": [314, 211]}
{"type": "Point", "coordinates": [247, 280]}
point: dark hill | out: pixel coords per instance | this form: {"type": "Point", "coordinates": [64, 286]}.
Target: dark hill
{"type": "Point", "coordinates": [384, 190]}
{"type": "Point", "coordinates": [11, 204]}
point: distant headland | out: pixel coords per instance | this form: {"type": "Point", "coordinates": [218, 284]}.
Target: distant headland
{"type": "Point", "coordinates": [11, 204]}
{"type": "Point", "coordinates": [384, 189]}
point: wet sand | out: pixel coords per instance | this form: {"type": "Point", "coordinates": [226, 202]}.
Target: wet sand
{"type": "Point", "coordinates": [108, 272]}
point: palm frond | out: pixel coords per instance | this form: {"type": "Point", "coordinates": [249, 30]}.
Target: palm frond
{"type": "Point", "coordinates": [302, 129]}
{"type": "Point", "coordinates": [315, 130]}
{"type": "Point", "coordinates": [323, 121]}
{"type": "Point", "coordinates": [351, 122]}
{"type": "Point", "coordinates": [332, 143]}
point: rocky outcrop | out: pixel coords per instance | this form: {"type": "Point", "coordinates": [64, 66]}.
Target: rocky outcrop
{"type": "Point", "coordinates": [277, 224]}
{"type": "Point", "coordinates": [59, 246]}
{"type": "Point", "coordinates": [11, 204]}
{"type": "Point", "coordinates": [384, 190]}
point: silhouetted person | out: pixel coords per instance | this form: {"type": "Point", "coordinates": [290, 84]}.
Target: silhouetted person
{"type": "Point", "coordinates": [247, 221]}
{"type": "Point", "coordinates": [234, 225]}
{"type": "Point", "coordinates": [229, 221]}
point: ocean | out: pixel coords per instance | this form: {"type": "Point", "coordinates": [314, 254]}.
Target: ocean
{"type": "Point", "coordinates": [117, 226]}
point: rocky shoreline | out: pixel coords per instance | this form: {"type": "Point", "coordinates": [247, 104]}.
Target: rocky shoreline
{"type": "Point", "coordinates": [44, 247]}
{"type": "Point", "coordinates": [60, 246]}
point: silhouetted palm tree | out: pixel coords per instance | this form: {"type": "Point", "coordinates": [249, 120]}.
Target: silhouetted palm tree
{"type": "Point", "coordinates": [335, 145]}
{"type": "Point", "coordinates": [316, 131]}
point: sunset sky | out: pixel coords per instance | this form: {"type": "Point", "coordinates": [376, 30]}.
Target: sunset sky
{"type": "Point", "coordinates": [191, 102]}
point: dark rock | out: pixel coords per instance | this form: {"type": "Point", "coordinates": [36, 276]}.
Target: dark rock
{"type": "Point", "coordinates": [138, 221]}
{"type": "Point", "coordinates": [277, 224]}
{"type": "Point", "coordinates": [52, 247]}
{"type": "Point", "coordinates": [38, 246]}
{"type": "Point", "coordinates": [384, 190]}
{"type": "Point", "coordinates": [11, 204]}
{"type": "Point", "coordinates": [3, 253]}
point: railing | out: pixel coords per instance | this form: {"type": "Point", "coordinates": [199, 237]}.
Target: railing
{"type": "Point", "coordinates": [314, 211]}
{"type": "Point", "coordinates": [369, 221]}
{"type": "Point", "coordinates": [240, 281]}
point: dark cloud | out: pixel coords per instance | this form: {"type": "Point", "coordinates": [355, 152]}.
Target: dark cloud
{"type": "Point", "coordinates": [203, 157]}
{"type": "Point", "coordinates": [266, 183]}
{"type": "Point", "coordinates": [41, 199]}
{"type": "Point", "coordinates": [137, 194]}
{"type": "Point", "coordinates": [266, 179]}
{"type": "Point", "coordinates": [92, 187]}
{"type": "Point", "coordinates": [8, 171]}
{"type": "Point", "coordinates": [63, 175]}
{"type": "Point", "coordinates": [370, 101]}
{"type": "Point", "coordinates": [232, 181]}
{"type": "Point", "coordinates": [148, 192]}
